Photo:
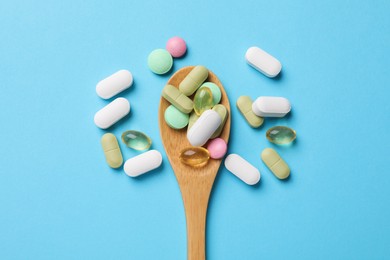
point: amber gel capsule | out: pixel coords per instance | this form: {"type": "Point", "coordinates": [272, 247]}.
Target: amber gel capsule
{"type": "Point", "coordinates": [194, 156]}
{"type": "Point", "coordinates": [111, 150]}
{"type": "Point", "coordinates": [203, 100]}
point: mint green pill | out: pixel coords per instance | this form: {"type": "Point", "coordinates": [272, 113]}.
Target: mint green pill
{"type": "Point", "coordinates": [215, 90]}
{"type": "Point", "coordinates": [175, 118]}
{"type": "Point", "coordinates": [160, 61]}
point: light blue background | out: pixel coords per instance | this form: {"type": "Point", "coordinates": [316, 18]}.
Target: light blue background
{"type": "Point", "coordinates": [58, 198]}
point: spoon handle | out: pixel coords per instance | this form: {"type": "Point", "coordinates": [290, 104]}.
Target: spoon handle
{"type": "Point", "coordinates": [196, 192]}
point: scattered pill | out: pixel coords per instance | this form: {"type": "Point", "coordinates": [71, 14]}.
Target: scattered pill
{"type": "Point", "coordinates": [194, 156]}
{"type": "Point", "coordinates": [112, 113]}
{"type": "Point", "coordinates": [176, 46]}
{"type": "Point", "coordinates": [244, 104]}
{"type": "Point", "coordinates": [281, 135]}
{"type": "Point", "coordinates": [178, 99]}
{"type": "Point", "coordinates": [223, 113]}
{"type": "Point", "coordinates": [203, 100]}
{"type": "Point", "coordinates": [263, 62]}
{"type": "Point", "coordinates": [136, 140]}
{"type": "Point", "coordinates": [193, 80]}
{"type": "Point", "coordinates": [143, 163]}
{"type": "Point", "coordinates": [215, 90]}
{"type": "Point", "coordinates": [242, 169]}
{"type": "Point", "coordinates": [175, 118]}
{"type": "Point", "coordinates": [111, 150]}
{"type": "Point", "coordinates": [203, 128]}
{"type": "Point", "coordinates": [217, 148]}
{"type": "Point", "coordinates": [160, 61]}
{"type": "Point", "coordinates": [275, 163]}
{"type": "Point", "coordinates": [114, 84]}
{"type": "Point", "coordinates": [271, 106]}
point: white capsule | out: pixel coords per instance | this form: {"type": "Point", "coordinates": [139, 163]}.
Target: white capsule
{"type": "Point", "coordinates": [114, 84]}
{"type": "Point", "coordinates": [263, 62]}
{"type": "Point", "coordinates": [242, 169]}
{"type": "Point", "coordinates": [112, 113]}
{"type": "Point", "coordinates": [143, 163]}
{"type": "Point", "coordinates": [204, 128]}
{"type": "Point", "coordinates": [271, 106]}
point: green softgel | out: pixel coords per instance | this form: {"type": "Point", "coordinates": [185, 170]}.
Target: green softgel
{"type": "Point", "coordinates": [203, 100]}
{"type": "Point", "coordinates": [281, 135]}
{"type": "Point", "coordinates": [136, 140]}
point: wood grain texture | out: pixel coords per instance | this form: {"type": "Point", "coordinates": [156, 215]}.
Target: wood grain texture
{"type": "Point", "coordinates": [195, 183]}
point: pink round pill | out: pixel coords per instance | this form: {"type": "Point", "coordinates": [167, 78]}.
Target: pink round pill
{"type": "Point", "coordinates": [217, 148]}
{"type": "Point", "coordinates": [176, 46]}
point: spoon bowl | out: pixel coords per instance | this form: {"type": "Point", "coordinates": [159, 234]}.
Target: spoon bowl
{"type": "Point", "coordinates": [195, 183]}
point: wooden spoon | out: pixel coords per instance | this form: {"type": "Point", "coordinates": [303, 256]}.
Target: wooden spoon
{"type": "Point", "coordinates": [195, 183]}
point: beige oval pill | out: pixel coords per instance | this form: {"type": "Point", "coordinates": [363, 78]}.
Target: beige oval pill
{"type": "Point", "coordinates": [193, 80]}
{"type": "Point", "coordinates": [223, 113]}
{"type": "Point", "coordinates": [111, 150]}
{"type": "Point", "coordinates": [275, 163]}
{"type": "Point", "coordinates": [177, 99]}
{"type": "Point", "coordinates": [244, 104]}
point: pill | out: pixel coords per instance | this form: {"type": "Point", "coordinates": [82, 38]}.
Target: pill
{"type": "Point", "coordinates": [114, 84]}
{"type": "Point", "coordinates": [217, 148]}
{"type": "Point", "coordinates": [203, 100]}
{"type": "Point", "coordinates": [178, 99]}
{"type": "Point", "coordinates": [194, 156]}
{"type": "Point", "coordinates": [244, 104]}
{"type": "Point", "coordinates": [203, 128]}
{"type": "Point", "coordinates": [175, 118]}
{"type": "Point", "coordinates": [160, 61]}
{"type": "Point", "coordinates": [136, 140]}
{"type": "Point", "coordinates": [111, 149]}
{"type": "Point", "coordinates": [271, 106]}
{"type": "Point", "coordinates": [215, 90]}
{"type": "Point", "coordinates": [275, 163]}
{"type": "Point", "coordinates": [191, 121]}
{"type": "Point", "coordinates": [193, 80]}
{"type": "Point", "coordinates": [223, 113]}
{"type": "Point", "coordinates": [143, 163]}
{"type": "Point", "coordinates": [242, 169]}
{"type": "Point", "coordinates": [176, 46]}
{"type": "Point", "coordinates": [263, 62]}
{"type": "Point", "coordinates": [281, 135]}
{"type": "Point", "coordinates": [112, 113]}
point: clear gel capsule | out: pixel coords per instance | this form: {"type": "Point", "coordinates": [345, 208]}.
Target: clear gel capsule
{"type": "Point", "coordinates": [281, 135]}
{"type": "Point", "coordinates": [203, 100]}
{"type": "Point", "coordinates": [136, 140]}
{"type": "Point", "coordinates": [194, 156]}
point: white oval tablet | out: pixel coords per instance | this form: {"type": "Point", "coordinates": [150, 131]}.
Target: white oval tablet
{"type": "Point", "coordinates": [204, 128]}
{"type": "Point", "coordinates": [271, 106]}
{"type": "Point", "coordinates": [242, 169]}
{"type": "Point", "coordinates": [143, 163]}
{"type": "Point", "coordinates": [112, 113]}
{"type": "Point", "coordinates": [114, 84]}
{"type": "Point", "coordinates": [263, 62]}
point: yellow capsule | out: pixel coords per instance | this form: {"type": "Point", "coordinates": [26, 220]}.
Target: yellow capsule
{"type": "Point", "coordinates": [203, 100]}
{"type": "Point", "coordinates": [194, 156]}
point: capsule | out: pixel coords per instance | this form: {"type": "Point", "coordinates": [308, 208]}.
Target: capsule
{"type": "Point", "coordinates": [242, 169]}
{"type": "Point", "coordinates": [281, 135]}
{"type": "Point", "coordinates": [223, 113]}
{"type": "Point", "coordinates": [263, 61]}
{"type": "Point", "coordinates": [178, 99]}
{"type": "Point", "coordinates": [275, 163]}
{"type": "Point", "coordinates": [136, 140]}
{"type": "Point", "coordinates": [143, 163]}
{"type": "Point", "coordinates": [112, 113]}
{"type": "Point", "coordinates": [194, 156]}
{"type": "Point", "coordinates": [193, 80]}
{"type": "Point", "coordinates": [111, 149]}
{"type": "Point", "coordinates": [244, 104]}
{"type": "Point", "coordinates": [271, 106]}
{"type": "Point", "coordinates": [203, 100]}
{"type": "Point", "coordinates": [114, 84]}
{"type": "Point", "coordinates": [204, 128]}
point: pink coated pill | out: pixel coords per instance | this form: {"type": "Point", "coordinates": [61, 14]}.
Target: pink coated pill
{"type": "Point", "coordinates": [176, 46]}
{"type": "Point", "coordinates": [217, 148]}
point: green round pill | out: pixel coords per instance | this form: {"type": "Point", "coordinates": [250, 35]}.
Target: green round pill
{"type": "Point", "coordinates": [175, 118]}
{"type": "Point", "coordinates": [160, 61]}
{"type": "Point", "coordinates": [215, 90]}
